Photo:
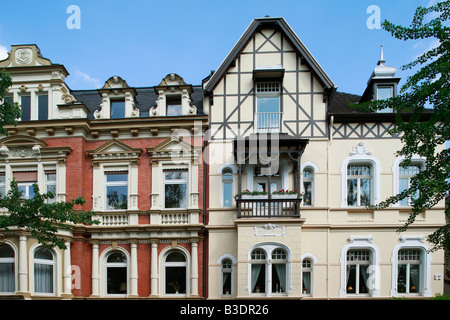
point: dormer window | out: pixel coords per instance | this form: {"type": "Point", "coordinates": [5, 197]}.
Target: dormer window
{"type": "Point", "coordinates": [174, 106]}
{"type": "Point", "coordinates": [383, 93]}
{"type": "Point", "coordinates": [118, 109]}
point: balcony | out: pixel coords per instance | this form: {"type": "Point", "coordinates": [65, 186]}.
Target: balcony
{"type": "Point", "coordinates": [267, 122]}
{"type": "Point", "coordinates": [263, 207]}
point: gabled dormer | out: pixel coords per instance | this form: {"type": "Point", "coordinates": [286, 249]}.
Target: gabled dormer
{"type": "Point", "coordinates": [382, 84]}
{"type": "Point", "coordinates": [174, 98]}
{"type": "Point", "coordinates": [118, 100]}
{"type": "Point", "coordinates": [38, 84]}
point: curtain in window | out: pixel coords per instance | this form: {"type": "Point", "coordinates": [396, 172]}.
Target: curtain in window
{"type": "Point", "coordinates": [281, 273]}
{"type": "Point", "coordinates": [256, 269]}
{"type": "Point", "coordinates": [414, 278]}
{"type": "Point", "coordinates": [307, 282]}
{"type": "Point", "coordinates": [6, 277]}
{"type": "Point", "coordinates": [43, 278]}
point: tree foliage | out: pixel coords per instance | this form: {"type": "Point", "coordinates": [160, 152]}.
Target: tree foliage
{"type": "Point", "coordinates": [36, 215]}
{"type": "Point", "coordinates": [9, 111]}
{"type": "Point", "coordinates": [423, 115]}
{"type": "Point", "coordinates": [41, 217]}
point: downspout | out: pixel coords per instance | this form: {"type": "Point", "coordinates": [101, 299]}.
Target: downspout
{"type": "Point", "coordinates": [205, 194]}
{"type": "Point", "coordinates": [328, 202]}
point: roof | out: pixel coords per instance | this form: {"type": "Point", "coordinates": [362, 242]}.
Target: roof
{"type": "Point", "coordinates": [145, 99]}
{"type": "Point", "coordinates": [290, 35]}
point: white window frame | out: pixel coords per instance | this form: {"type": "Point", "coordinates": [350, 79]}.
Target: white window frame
{"type": "Point", "coordinates": [175, 181]}
{"type": "Point", "coordinates": [45, 262]}
{"type": "Point", "coordinates": [163, 255]}
{"type": "Point", "coordinates": [413, 242]}
{"type": "Point", "coordinates": [415, 159]}
{"type": "Point", "coordinates": [308, 165]}
{"type": "Point", "coordinates": [13, 261]}
{"type": "Point", "coordinates": [50, 183]}
{"type": "Point", "coordinates": [272, 89]}
{"type": "Point", "coordinates": [220, 171]}
{"type": "Point", "coordinates": [361, 243]}
{"type": "Point", "coordinates": [268, 249]}
{"type": "Point", "coordinates": [376, 169]}
{"type": "Point", "coordinates": [232, 273]}
{"type": "Point", "coordinates": [116, 265]}
{"type": "Point", "coordinates": [116, 184]}
{"type": "Point", "coordinates": [313, 260]}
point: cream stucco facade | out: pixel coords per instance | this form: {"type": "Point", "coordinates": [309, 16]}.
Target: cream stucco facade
{"type": "Point", "coordinates": [334, 248]}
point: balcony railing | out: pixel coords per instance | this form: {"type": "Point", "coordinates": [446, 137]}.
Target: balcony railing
{"type": "Point", "coordinates": [255, 207]}
{"type": "Point", "coordinates": [268, 122]}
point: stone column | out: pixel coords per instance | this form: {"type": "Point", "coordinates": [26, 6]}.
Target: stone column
{"type": "Point", "coordinates": [134, 270]}
{"type": "Point", "coordinates": [194, 269]}
{"type": "Point", "coordinates": [23, 265]}
{"type": "Point", "coordinates": [154, 269]}
{"type": "Point", "coordinates": [95, 271]}
{"type": "Point", "coordinates": [67, 270]}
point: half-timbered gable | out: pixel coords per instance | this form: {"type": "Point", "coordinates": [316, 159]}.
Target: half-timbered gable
{"type": "Point", "coordinates": [269, 83]}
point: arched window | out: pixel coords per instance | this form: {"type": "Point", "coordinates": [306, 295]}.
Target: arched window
{"type": "Point", "coordinates": [308, 186]}
{"type": "Point", "coordinates": [116, 273]}
{"type": "Point", "coordinates": [175, 273]}
{"type": "Point", "coordinates": [227, 275]}
{"type": "Point", "coordinates": [7, 275]}
{"type": "Point", "coordinates": [358, 262]}
{"type": "Point", "coordinates": [306, 276]}
{"type": "Point", "coordinates": [44, 270]}
{"type": "Point", "coordinates": [227, 187]}
{"type": "Point", "coordinates": [268, 270]}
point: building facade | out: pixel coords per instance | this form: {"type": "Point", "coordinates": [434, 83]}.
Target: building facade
{"type": "Point", "coordinates": [253, 184]}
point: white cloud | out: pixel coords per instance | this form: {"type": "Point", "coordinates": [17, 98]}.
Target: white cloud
{"type": "Point", "coordinates": [87, 79]}
{"type": "Point", "coordinates": [3, 52]}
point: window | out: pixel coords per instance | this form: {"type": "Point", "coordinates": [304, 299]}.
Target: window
{"type": "Point", "coordinates": [358, 262]}
{"type": "Point", "coordinates": [404, 179]}
{"type": "Point", "coordinates": [306, 276]}
{"type": "Point", "coordinates": [409, 274]}
{"type": "Point", "coordinates": [268, 114]}
{"type": "Point", "coordinates": [116, 190]}
{"type": "Point", "coordinates": [308, 179]}
{"type": "Point", "coordinates": [174, 106]}
{"type": "Point", "coordinates": [383, 93]}
{"type": "Point", "coordinates": [359, 185]}
{"type": "Point", "coordinates": [227, 187]}
{"type": "Point", "coordinates": [25, 181]}
{"type": "Point", "coordinates": [268, 275]}
{"type": "Point", "coordinates": [7, 273]}
{"type": "Point", "coordinates": [227, 270]}
{"type": "Point", "coordinates": [116, 273]}
{"type": "Point", "coordinates": [258, 273]}
{"type": "Point", "coordinates": [175, 189]}
{"type": "Point", "coordinates": [25, 102]}
{"type": "Point", "coordinates": [42, 107]}
{"type": "Point", "coordinates": [279, 263]}
{"type": "Point", "coordinates": [175, 273]}
{"type": "Point", "coordinates": [117, 109]}
{"type": "Point", "coordinates": [260, 180]}
{"type": "Point", "coordinates": [50, 184]}
{"type": "Point", "coordinates": [44, 270]}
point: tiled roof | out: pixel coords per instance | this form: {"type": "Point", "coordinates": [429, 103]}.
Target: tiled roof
{"type": "Point", "coordinates": [145, 100]}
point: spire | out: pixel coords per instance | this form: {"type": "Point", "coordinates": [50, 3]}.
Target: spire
{"type": "Point", "coordinates": [381, 70]}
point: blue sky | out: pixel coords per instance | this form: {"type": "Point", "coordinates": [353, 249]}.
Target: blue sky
{"type": "Point", "coordinates": [142, 41]}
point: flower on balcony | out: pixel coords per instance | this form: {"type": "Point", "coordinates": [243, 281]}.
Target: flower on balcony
{"type": "Point", "coordinates": [282, 191]}
{"type": "Point", "coordinates": [254, 193]}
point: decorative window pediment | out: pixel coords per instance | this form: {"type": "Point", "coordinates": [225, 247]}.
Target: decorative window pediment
{"type": "Point", "coordinates": [174, 97]}
{"type": "Point", "coordinates": [174, 148]}
{"type": "Point", "coordinates": [116, 90]}
{"type": "Point", "coordinates": [20, 147]}
{"type": "Point", "coordinates": [115, 150]}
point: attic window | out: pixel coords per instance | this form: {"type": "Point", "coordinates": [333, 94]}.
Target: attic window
{"type": "Point", "coordinates": [117, 109]}
{"type": "Point", "coordinates": [173, 106]}
{"type": "Point", "coordinates": [385, 92]}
